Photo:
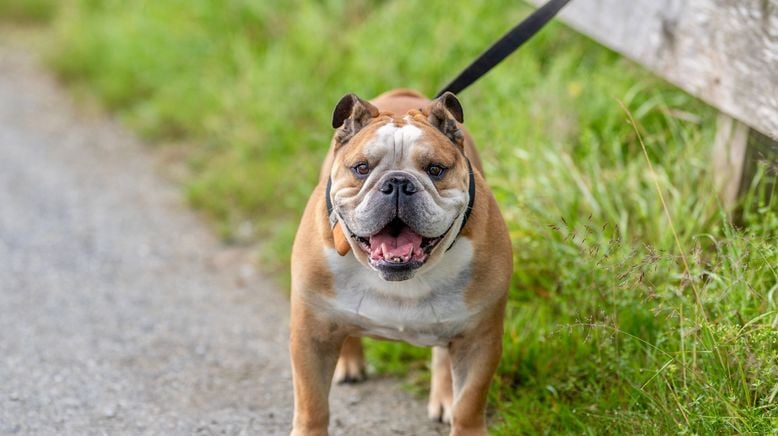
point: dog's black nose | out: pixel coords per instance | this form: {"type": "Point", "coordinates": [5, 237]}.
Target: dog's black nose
{"type": "Point", "coordinates": [398, 184]}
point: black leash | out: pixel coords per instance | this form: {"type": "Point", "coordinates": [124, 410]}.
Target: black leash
{"type": "Point", "coordinates": [504, 47]}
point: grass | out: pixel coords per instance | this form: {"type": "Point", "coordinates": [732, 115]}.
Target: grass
{"type": "Point", "coordinates": [636, 306]}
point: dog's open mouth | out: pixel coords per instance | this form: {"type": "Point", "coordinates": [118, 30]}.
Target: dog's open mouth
{"type": "Point", "coordinates": [397, 245]}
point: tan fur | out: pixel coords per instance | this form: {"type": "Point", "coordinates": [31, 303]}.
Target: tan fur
{"type": "Point", "coordinates": [402, 101]}
{"type": "Point", "coordinates": [341, 242]}
{"type": "Point", "coordinates": [461, 372]}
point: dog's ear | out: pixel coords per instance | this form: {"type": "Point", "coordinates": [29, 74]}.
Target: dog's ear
{"type": "Point", "coordinates": [444, 113]}
{"type": "Point", "coordinates": [351, 114]}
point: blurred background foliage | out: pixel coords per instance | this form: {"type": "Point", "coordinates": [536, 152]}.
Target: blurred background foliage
{"type": "Point", "coordinates": [27, 11]}
{"type": "Point", "coordinates": [607, 332]}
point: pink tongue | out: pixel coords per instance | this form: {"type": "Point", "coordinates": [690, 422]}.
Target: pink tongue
{"type": "Point", "coordinates": [396, 249]}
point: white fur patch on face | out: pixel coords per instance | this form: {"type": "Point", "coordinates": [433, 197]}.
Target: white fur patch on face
{"type": "Point", "coordinates": [396, 140]}
{"type": "Point", "coordinates": [427, 310]}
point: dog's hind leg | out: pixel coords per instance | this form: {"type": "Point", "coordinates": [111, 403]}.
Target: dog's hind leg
{"type": "Point", "coordinates": [441, 389]}
{"type": "Point", "coordinates": [351, 364]}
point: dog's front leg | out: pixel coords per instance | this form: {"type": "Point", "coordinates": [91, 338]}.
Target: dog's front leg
{"type": "Point", "coordinates": [314, 348]}
{"type": "Point", "coordinates": [474, 359]}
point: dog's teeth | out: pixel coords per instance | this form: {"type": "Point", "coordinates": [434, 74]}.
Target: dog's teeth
{"type": "Point", "coordinates": [377, 252]}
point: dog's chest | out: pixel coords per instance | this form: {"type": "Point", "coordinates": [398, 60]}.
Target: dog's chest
{"type": "Point", "coordinates": [427, 310]}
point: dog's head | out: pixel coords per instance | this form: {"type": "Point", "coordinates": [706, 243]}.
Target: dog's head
{"type": "Point", "coordinates": [399, 185]}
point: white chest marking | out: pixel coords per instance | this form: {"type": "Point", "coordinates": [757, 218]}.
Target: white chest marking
{"type": "Point", "coordinates": [427, 310]}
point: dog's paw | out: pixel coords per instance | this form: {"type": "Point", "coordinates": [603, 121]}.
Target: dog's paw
{"type": "Point", "coordinates": [350, 369]}
{"type": "Point", "coordinates": [439, 408]}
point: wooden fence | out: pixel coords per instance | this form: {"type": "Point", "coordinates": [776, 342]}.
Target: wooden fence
{"type": "Point", "coordinates": [724, 52]}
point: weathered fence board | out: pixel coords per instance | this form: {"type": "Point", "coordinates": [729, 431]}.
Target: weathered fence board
{"type": "Point", "coordinates": [722, 51]}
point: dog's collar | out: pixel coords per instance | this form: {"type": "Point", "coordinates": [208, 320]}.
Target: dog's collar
{"type": "Point", "coordinates": [470, 203]}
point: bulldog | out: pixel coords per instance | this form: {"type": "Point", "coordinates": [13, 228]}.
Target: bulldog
{"type": "Point", "coordinates": [402, 240]}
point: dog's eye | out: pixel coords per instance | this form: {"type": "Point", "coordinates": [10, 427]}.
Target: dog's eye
{"type": "Point", "coordinates": [361, 169]}
{"type": "Point", "coordinates": [436, 171]}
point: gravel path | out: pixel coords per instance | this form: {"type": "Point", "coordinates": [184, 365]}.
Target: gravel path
{"type": "Point", "coordinates": [119, 312]}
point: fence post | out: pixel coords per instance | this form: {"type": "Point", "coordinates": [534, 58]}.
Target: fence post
{"type": "Point", "coordinates": [729, 155]}
{"type": "Point", "coordinates": [737, 149]}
